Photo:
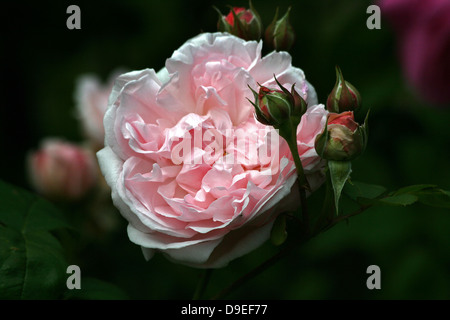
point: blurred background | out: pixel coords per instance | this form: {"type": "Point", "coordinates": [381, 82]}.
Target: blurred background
{"type": "Point", "coordinates": [409, 140]}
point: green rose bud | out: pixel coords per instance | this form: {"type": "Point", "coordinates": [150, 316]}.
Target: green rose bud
{"type": "Point", "coordinates": [277, 107]}
{"type": "Point", "coordinates": [273, 105]}
{"type": "Point", "coordinates": [344, 96]}
{"type": "Point", "coordinates": [280, 34]}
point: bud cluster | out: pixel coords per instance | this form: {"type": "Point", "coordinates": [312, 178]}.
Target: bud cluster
{"type": "Point", "coordinates": [343, 139]}
{"type": "Point", "coordinates": [247, 24]}
{"type": "Point", "coordinates": [241, 22]}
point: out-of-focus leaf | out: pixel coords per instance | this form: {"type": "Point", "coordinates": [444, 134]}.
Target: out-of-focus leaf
{"type": "Point", "coordinates": [399, 200]}
{"type": "Point", "coordinates": [355, 190]}
{"type": "Point", "coordinates": [95, 289]}
{"type": "Point", "coordinates": [424, 193]}
{"type": "Point", "coordinates": [414, 188]}
{"type": "Point", "coordinates": [435, 197]}
{"type": "Point", "coordinates": [32, 264]}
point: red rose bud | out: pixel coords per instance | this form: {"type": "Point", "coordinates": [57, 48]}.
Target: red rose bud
{"type": "Point", "coordinates": [61, 170]}
{"type": "Point", "coordinates": [344, 96]}
{"type": "Point", "coordinates": [280, 34]}
{"type": "Point", "coordinates": [241, 22]}
{"type": "Point", "coordinates": [343, 139]}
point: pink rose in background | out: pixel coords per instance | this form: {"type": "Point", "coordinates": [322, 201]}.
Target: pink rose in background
{"type": "Point", "coordinates": [423, 31]}
{"type": "Point", "coordinates": [204, 208]}
{"type": "Point", "coordinates": [91, 97]}
{"type": "Point", "coordinates": [62, 171]}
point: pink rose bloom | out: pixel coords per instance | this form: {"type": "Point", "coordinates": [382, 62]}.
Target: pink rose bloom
{"type": "Point", "coordinates": [61, 170]}
{"type": "Point", "coordinates": [91, 97]}
{"type": "Point", "coordinates": [199, 207]}
{"type": "Point", "coordinates": [423, 30]}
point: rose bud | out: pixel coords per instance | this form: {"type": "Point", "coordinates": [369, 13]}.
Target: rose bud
{"type": "Point", "coordinates": [62, 171]}
{"type": "Point", "coordinates": [276, 107]}
{"type": "Point", "coordinates": [300, 104]}
{"type": "Point", "coordinates": [343, 139]}
{"type": "Point", "coordinates": [280, 34]}
{"type": "Point", "coordinates": [241, 22]}
{"type": "Point", "coordinates": [344, 96]}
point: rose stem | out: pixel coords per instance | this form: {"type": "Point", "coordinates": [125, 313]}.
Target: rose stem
{"type": "Point", "coordinates": [301, 179]}
{"type": "Point", "coordinates": [202, 283]}
{"type": "Point", "coordinates": [285, 251]}
{"type": "Point", "coordinates": [254, 272]}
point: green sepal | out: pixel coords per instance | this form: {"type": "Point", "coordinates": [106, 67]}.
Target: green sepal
{"type": "Point", "coordinates": [270, 31]}
{"type": "Point", "coordinates": [278, 107]}
{"type": "Point", "coordinates": [321, 141]}
{"type": "Point", "coordinates": [278, 234]}
{"type": "Point", "coordinates": [365, 131]}
{"type": "Point", "coordinates": [284, 34]}
{"type": "Point", "coordinates": [339, 174]}
{"type": "Point", "coordinates": [255, 34]}
{"type": "Point", "coordinates": [222, 25]}
{"type": "Point", "coordinates": [238, 29]}
{"type": "Point", "coordinates": [255, 94]}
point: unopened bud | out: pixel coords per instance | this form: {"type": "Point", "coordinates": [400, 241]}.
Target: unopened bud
{"type": "Point", "coordinates": [277, 107]}
{"type": "Point", "coordinates": [62, 171]}
{"type": "Point", "coordinates": [280, 34]}
{"type": "Point", "coordinates": [343, 139]}
{"type": "Point", "coordinates": [300, 104]}
{"type": "Point", "coordinates": [344, 96]}
{"type": "Point", "coordinates": [241, 22]}
{"type": "Point", "coordinates": [272, 106]}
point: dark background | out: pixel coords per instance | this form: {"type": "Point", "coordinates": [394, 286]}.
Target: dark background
{"type": "Point", "coordinates": [408, 144]}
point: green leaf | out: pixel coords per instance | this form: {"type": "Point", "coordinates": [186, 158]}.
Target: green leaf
{"type": "Point", "coordinates": [278, 233]}
{"type": "Point", "coordinates": [424, 193]}
{"type": "Point", "coordinates": [414, 188]}
{"type": "Point", "coordinates": [356, 190]}
{"type": "Point", "coordinates": [339, 173]}
{"type": "Point", "coordinates": [434, 197]}
{"type": "Point", "coordinates": [427, 194]}
{"type": "Point", "coordinates": [400, 200]}
{"type": "Point", "coordinates": [95, 289]}
{"type": "Point", "coordinates": [32, 264]}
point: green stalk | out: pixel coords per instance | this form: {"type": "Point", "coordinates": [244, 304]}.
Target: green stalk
{"type": "Point", "coordinates": [302, 183]}
{"type": "Point", "coordinates": [328, 209]}
{"type": "Point", "coordinates": [201, 286]}
{"type": "Point", "coordinates": [288, 249]}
